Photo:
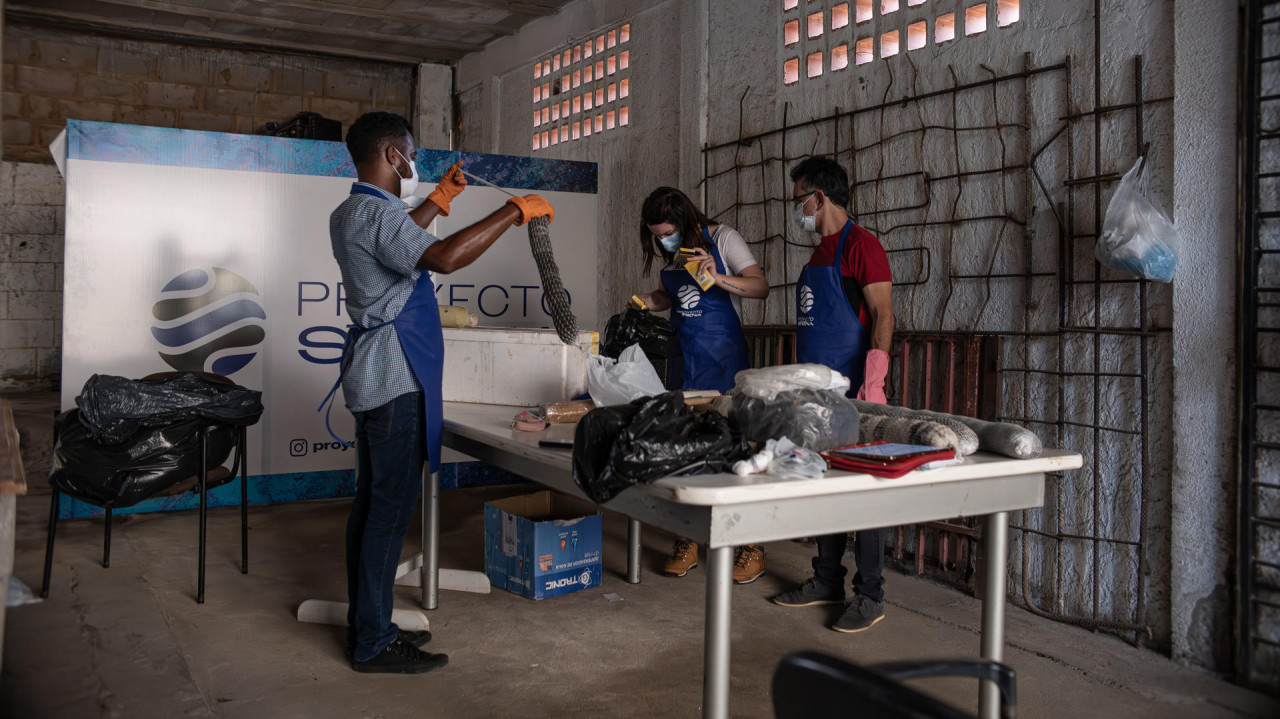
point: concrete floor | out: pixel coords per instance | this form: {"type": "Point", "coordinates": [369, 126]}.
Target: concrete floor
{"type": "Point", "coordinates": [130, 641]}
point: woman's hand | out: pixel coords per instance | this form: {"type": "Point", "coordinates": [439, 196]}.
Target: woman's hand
{"type": "Point", "coordinates": [706, 263]}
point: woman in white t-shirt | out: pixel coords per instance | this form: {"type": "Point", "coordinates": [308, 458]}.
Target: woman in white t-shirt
{"type": "Point", "coordinates": [712, 348]}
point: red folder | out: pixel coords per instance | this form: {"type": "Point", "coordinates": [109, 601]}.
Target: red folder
{"type": "Point", "coordinates": [885, 468]}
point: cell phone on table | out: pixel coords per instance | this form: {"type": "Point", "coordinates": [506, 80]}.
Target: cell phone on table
{"type": "Point", "coordinates": [556, 443]}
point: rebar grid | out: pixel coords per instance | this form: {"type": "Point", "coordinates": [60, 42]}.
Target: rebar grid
{"type": "Point", "coordinates": [1063, 365]}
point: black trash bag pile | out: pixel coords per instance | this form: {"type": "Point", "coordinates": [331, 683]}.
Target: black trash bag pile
{"type": "Point", "coordinates": [114, 408]}
{"type": "Point", "coordinates": [653, 333]}
{"type": "Point", "coordinates": [816, 419]}
{"type": "Point", "coordinates": [651, 438]}
{"type": "Point", "coordinates": [144, 436]}
{"type": "Point", "coordinates": [149, 462]}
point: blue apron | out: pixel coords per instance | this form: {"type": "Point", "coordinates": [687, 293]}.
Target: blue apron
{"type": "Point", "coordinates": [418, 328]}
{"type": "Point", "coordinates": [828, 331]}
{"type": "Point", "coordinates": [712, 345]}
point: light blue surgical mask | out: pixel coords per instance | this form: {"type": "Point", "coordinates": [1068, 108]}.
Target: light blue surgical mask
{"type": "Point", "coordinates": [671, 243]}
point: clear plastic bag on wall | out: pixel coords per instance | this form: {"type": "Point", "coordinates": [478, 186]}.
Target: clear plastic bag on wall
{"type": "Point", "coordinates": [1137, 237]}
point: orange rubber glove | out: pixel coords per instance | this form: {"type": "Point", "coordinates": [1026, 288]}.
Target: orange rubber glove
{"type": "Point", "coordinates": [532, 206]}
{"type": "Point", "coordinates": [449, 187]}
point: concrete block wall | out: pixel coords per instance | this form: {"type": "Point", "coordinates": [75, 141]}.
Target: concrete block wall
{"type": "Point", "coordinates": [495, 109]}
{"type": "Point", "coordinates": [31, 224]}
{"type": "Point", "coordinates": [51, 76]}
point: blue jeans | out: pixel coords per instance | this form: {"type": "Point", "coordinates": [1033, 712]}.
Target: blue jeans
{"type": "Point", "coordinates": [390, 448]}
{"type": "Point", "coordinates": [868, 553]}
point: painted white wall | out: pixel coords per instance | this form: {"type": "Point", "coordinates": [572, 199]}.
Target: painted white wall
{"type": "Point", "coordinates": [1204, 324]}
{"type": "Point", "coordinates": [695, 63]}
{"type": "Point", "coordinates": [659, 147]}
{"type": "Point", "coordinates": [433, 107]}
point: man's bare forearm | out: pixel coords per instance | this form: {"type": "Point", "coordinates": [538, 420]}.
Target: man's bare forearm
{"type": "Point", "coordinates": [464, 246]}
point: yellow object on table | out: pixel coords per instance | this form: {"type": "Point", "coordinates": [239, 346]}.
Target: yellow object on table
{"type": "Point", "coordinates": [455, 316]}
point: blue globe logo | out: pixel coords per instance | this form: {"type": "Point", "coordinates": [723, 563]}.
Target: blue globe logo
{"type": "Point", "coordinates": [806, 299]}
{"type": "Point", "coordinates": [206, 322]}
{"type": "Point", "coordinates": [689, 297]}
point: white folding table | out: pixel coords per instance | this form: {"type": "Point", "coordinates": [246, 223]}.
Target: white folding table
{"type": "Point", "coordinates": [724, 511]}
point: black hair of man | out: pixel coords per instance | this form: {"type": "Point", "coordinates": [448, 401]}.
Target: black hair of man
{"type": "Point", "coordinates": [369, 135]}
{"type": "Point", "coordinates": [821, 173]}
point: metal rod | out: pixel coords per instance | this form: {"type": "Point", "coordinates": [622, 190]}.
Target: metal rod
{"type": "Point", "coordinates": [715, 661]}
{"type": "Point", "coordinates": [244, 502]}
{"type": "Point", "coordinates": [106, 541]}
{"type": "Point", "coordinates": [430, 538]}
{"type": "Point", "coordinates": [204, 508]}
{"type": "Point", "coordinates": [633, 551]}
{"type": "Point", "coordinates": [995, 543]}
{"type": "Point", "coordinates": [483, 181]}
{"type": "Point", "coordinates": [885, 105]}
{"type": "Point", "coordinates": [48, 551]}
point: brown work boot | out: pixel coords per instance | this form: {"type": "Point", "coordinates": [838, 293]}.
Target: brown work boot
{"type": "Point", "coordinates": [684, 556]}
{"type": "Point", "coordinates": [748, 565]}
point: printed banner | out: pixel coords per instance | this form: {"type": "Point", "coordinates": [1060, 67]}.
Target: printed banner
{"type": "Point", "coordinates": [208, 251]}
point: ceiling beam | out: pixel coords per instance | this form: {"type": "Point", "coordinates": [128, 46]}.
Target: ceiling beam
{"type": "Point", "coordinates": [410, 18]}
{"type": "Point", "coordinates": [253, 20]}
{"type": "Point", "coordinates": [526, 9]}
{"type": "Point", "coordinates": [216, 39]}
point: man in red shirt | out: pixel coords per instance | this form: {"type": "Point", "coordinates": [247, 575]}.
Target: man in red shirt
{"type": "Point", "coordinates": [844, 320]}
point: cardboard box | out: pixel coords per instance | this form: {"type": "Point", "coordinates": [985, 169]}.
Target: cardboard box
{"type": "Point", "coordinates": [543, 544]}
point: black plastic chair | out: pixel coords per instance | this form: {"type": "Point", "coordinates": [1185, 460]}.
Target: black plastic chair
{"type": "Point", "coordinates": [809, 685]}
{"type": "Point", "coordinates": [207, 479]}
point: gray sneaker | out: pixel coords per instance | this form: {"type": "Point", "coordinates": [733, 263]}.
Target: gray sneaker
{"type": "Point", "coordinates": [862, 614]}
{"type": "Point", "coordinates": [809, 594]}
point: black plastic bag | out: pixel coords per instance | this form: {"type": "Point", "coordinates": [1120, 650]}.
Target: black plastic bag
{"type": "Point", "coordinates": [662, 437]}
{"type": "Point", "coordinates": [150, 461]}
{"type": "Point", "coordinates": [817, 419]}
{"type": "Point", "coordinates": [593, 441]}
{"type": "Point", "coordinates": [115, 408]}
{"type": "Point", "coordinates": [652, 332]}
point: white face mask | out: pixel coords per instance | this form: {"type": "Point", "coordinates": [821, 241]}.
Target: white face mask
{"type": "Point", "coordinates": [410, 183]}
{"type": "Point", "coordinates": [808, 223]}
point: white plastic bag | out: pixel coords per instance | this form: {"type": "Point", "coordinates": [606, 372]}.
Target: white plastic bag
{"type": "Point", "coordinates": [767, 382]}
{"type": "Point", "coordinates": [782, 458]}
{"type": "Point", "coordinates": [619, 381]}
{"type": "Point", "coordinates": [1137, 237]}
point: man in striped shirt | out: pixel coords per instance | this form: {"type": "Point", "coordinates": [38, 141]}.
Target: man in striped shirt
{"type": "Point", "coordinates": [383, 249]}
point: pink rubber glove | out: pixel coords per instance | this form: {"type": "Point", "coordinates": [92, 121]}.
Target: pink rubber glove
{"type": "Point", "coordinates": [873, 376]}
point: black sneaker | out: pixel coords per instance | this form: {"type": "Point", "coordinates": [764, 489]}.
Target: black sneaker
{"type": "Point", "coordinates": [809, 594]}
{"type": "Point", "coordinates": [401, 658]}
{"type": "Point", "coordinates": [862, 614]}
{"type": "Point", "coordinates": [417, 638]}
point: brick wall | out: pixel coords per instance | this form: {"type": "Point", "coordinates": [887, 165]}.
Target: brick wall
{"type": "Point", "coordinates": [51, 76]}
{"type": "Point", "coordinates": [31, 221]}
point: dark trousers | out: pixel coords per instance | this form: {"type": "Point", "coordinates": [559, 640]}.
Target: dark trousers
{"type": "Point", "coordinates": [390, 448]}
{"type": "Point", "coordinates": [868, 552]}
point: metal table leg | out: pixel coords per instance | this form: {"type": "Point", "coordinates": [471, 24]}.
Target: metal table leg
{"type": "Point", "coordinates": [633, 551]}
{"type": "Point", "coordinates": [715, 661]}
{"type": "Point", "coordinates": [430, 539]}
{"type": "Point", "coordinates": [996, 547]}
